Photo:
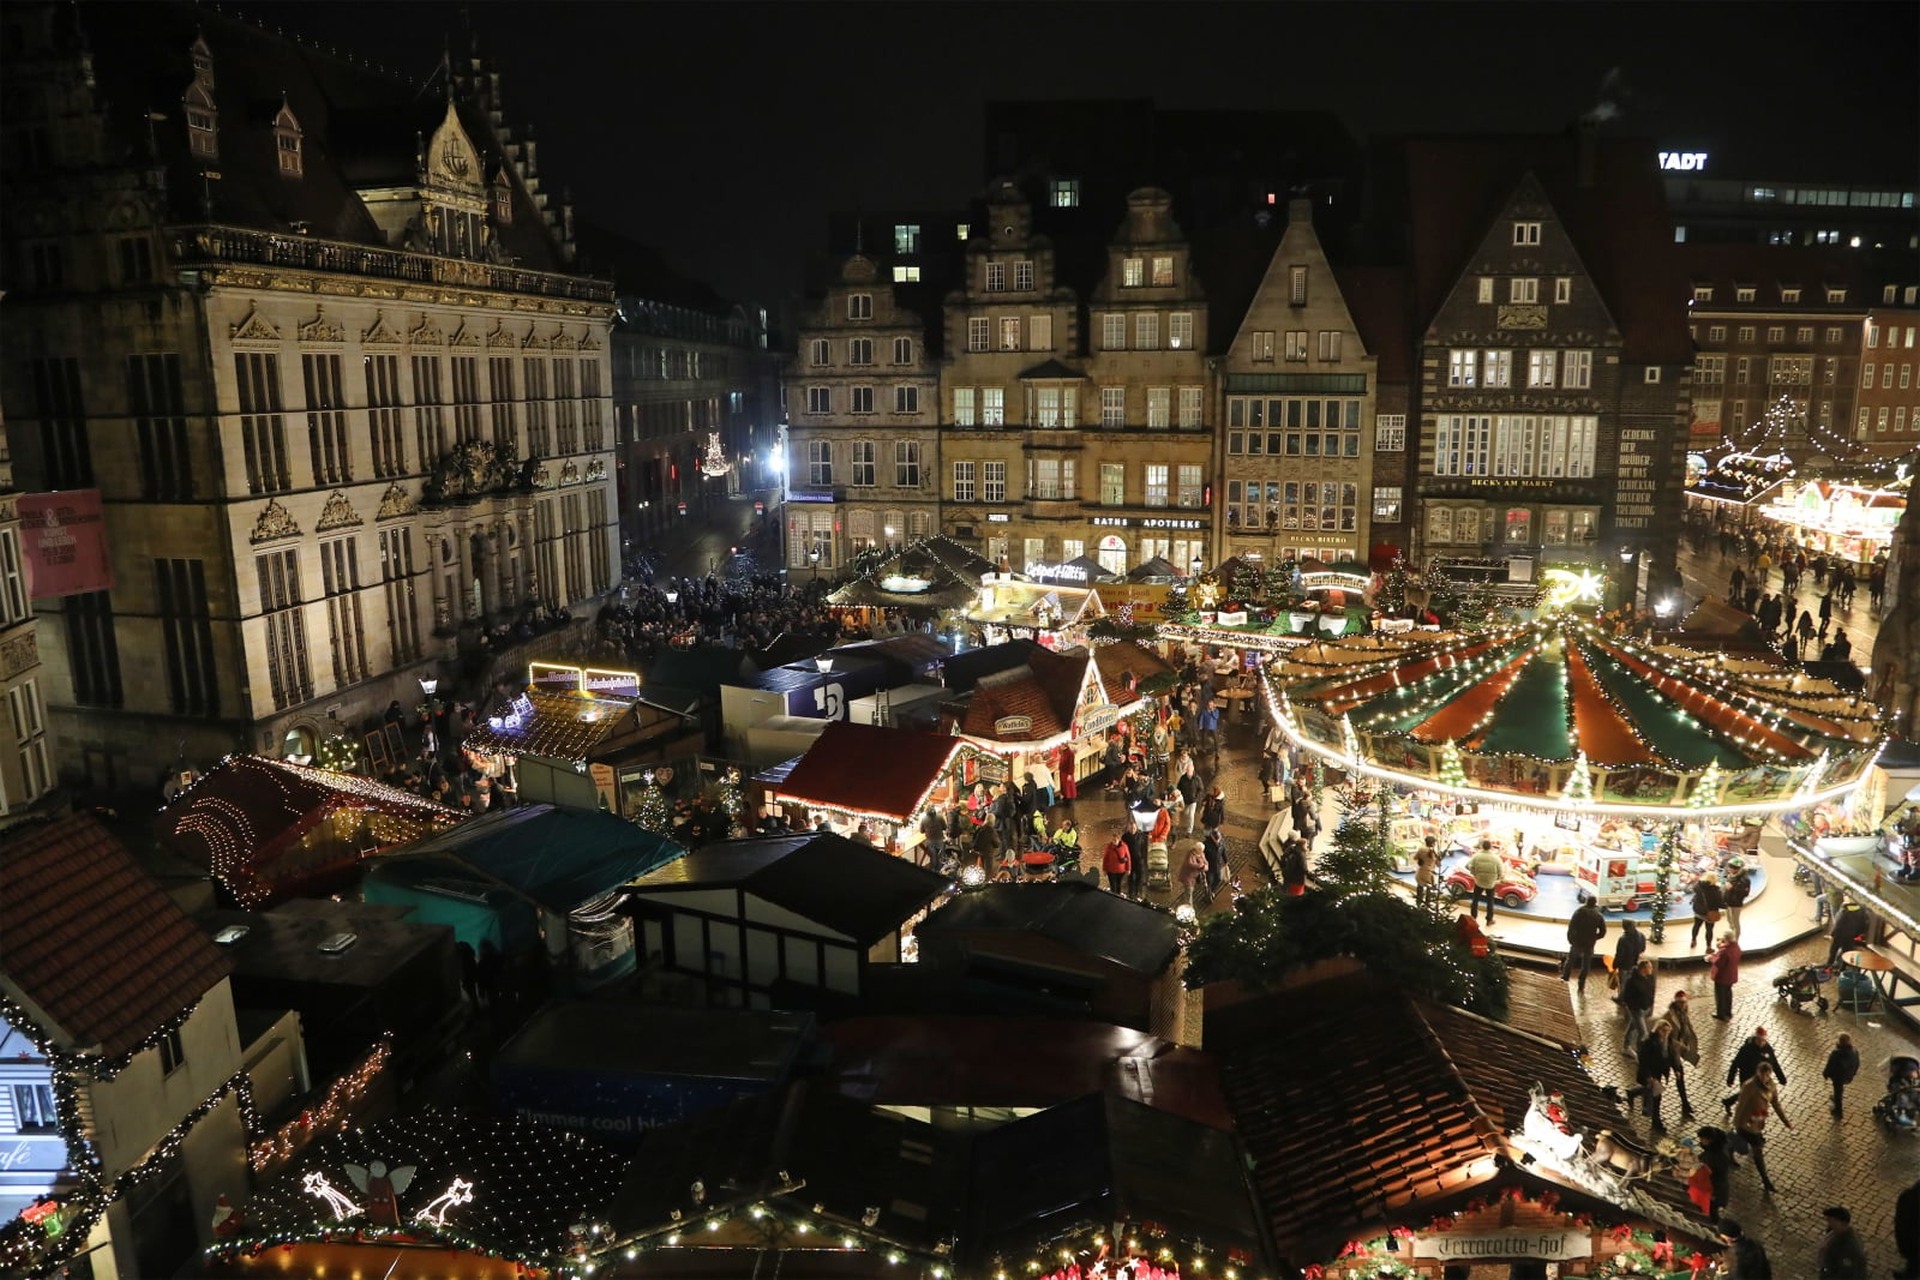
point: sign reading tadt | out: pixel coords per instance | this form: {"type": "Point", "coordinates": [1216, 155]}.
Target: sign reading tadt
{"type": "Point", "coordinates": [1548, 1246]}
{"type": "Point", "coordinates": [1684, 161]}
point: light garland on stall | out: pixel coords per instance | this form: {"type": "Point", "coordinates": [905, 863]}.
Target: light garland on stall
{"type": "Point", "coordinates": [334, 1111]}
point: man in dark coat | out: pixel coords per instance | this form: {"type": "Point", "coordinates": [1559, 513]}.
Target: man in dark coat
{"type": "Point", "coordinates": [1628, 950]}
{"type": "Point", "coordinates": [1906, 1232]}
{"type": "Point", "coordinates": [1843, 1064]}
{"type": "Point", "coordinates": [1746, 1257]}
{"type": "Point", "coordinates": [1753, 1051]}
{"type": "Point", "coordinates": [1636, 996]}
{"type": "Point", "coordinates": [1849, 931]}
{"type": "Point", "coordinates": [1584, 932]}
{"type": "Point", "coordinates": [1739, 886]}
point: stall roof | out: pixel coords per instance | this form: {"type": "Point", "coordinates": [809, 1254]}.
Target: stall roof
{"type": "Point", "coordinates": [560, 858]}
{"type": "Point", "coordinates": [1044, 691]}
{"type": "Point", "coordinates": [840, 1158]}
{"type": "Point", "coordinates": [1073, 914]}
{"type": "Point", "coordinates": [1354, 1100]}
{"type": "Point", "coordinates": [283, 944]}
{"type": "Point", "coordinates": [987, 1061]}
{"type": "Point", "coordinates": [701, 670]}
{"type": "Point", "coordinates": [555, 726]}
{"type": "Point", "coordinates": [245, 811]}
{"type": "Point", "coordinates": [965, 669]}
{"type": "Point", "coordinates": [1122, 658]}
{"type": "Point", "coordinates": [92, 942]}
{"type": "Point", "coordinates": [853, 889]}
{"type": "Point", "coordinates": [1100, 1160]}
{"type": "Point", "coordinates": [626, 1037]}
{"type": "Point", "coordinates": [1017, 604]}
{"type": "Point", "coordinates": [916, 652]}
{"type": "Point", "coordinates": [867, 768]}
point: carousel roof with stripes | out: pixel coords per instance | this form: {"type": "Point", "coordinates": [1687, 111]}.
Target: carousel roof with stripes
{"type": "Point", "coordinates": [1524, 710]}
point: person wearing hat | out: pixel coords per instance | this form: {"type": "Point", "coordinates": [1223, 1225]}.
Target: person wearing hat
{"type": "Point", "coordinates": [1842, 1256]}
{"type": "Point", "coordinates": [1738, 888]}
{"type": "Point", "coordinates": [1747, 1255]}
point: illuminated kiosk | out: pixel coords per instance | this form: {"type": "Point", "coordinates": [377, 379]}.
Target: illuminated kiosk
{"type": "Point", "coordinates": [1575, 750]}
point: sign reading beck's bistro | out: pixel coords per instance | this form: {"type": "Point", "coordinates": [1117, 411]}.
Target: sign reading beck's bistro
{"type": "Point", "coordinates": [1548, 1246]}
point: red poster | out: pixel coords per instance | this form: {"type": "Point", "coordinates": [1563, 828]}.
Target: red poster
{"type": "Point", "coordinates": [64, 538]}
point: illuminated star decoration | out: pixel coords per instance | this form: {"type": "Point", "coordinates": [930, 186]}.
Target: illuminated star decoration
{"type": "Point", "coordinates": [316, 1184]}
{"type": "Point", "coordinates": [458, 1192]}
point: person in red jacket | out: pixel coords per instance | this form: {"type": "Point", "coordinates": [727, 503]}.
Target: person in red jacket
{"type": "Point", "coordinates": [1117, 862]}
{"type": "Point", "coordinates": [1724, 967]}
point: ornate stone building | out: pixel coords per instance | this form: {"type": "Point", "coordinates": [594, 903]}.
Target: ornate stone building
{"type": "Point", "coordinates": [863, 437]}
{"type": "Point", "coordinates": [26, 765]}
{"type": "Point", "coordinates": [314, 334]}
{"type": "Point", "coordinates": [1300, 420]}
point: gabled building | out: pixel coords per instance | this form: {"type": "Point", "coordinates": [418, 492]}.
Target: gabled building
{"type": "Point", "coordinates": [1553, 355]}
{"type": "Point", "coordinates": [317, 338]}
{"type": "Point", "coordinates": [1147, 462]}
{"type": "Point", "coordinates": [863, 440]}
{"type": "Point", "coordinates": [1011, 372]}
{"type": "Point", "coordinates": [124, 1100]}
{"type": "Point", "coordinates": [1299, 425]}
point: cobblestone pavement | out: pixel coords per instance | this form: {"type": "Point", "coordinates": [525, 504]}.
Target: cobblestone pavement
{"type": "Point", "coordinates": [1704, 571]}
{"type": "Point", "coordinates": [1854, 1161]}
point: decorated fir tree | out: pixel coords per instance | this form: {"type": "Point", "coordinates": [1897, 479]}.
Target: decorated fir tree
{"type": "Point", "coordinates": [1452, 772]}
{"type": "Point", "coordinates": [1579, 788]}
{"type": "Point", "coordinates": [1706, 788]}
{"type": "Point", "coordinates": [1392, 596]}
{"type": "Point", "coordinates": [654, 813]}
{"type": "Point", "coordinates": [1665, 860]}
{"type": "Point", "coordinates": [1246, 588]}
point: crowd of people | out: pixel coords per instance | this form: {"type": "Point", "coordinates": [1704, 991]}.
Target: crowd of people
{"type": "Point", "coordinates": [747, 611]}
{"type": "Point", "coordinates": [1800, 625]}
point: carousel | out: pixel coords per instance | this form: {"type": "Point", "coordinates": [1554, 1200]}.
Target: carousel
{"type": "Point", "coordinates": [1592, 761]}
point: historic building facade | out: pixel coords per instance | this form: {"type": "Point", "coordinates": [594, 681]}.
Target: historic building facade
{"type": "Point", "coordinates": [1011, 377]}
{"type": "Point", "coordinates": [341, 396]}
{"type": "Point", "coordinates": [1146, 459]}
{"type": "Point", "coordinates": [1552, 410]}
{"type": "Point", "coordinates": [863, 438]}
{"type": "Point", "coordinates": [26, 763]}
{"type": "Point", "coordinates": [1299, 423]}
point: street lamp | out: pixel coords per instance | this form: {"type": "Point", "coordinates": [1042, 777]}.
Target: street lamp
{"type": "Point", "coordinates": [673, 597]}
{"type": "Point", "coordinates": [1195, 567]}
{"type": "Point", "coordinates": [428, 685]}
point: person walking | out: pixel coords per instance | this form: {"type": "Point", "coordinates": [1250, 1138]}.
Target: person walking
{"type": "Point", "coordinates": [1708, 902]}
{"type": "Point", "coordinates": [1746, 1257]}
{"type": "Point", "coordinates": [1584, 931]}
{"type": "Point", "coordinates": [1484, 866]}
{"type": "Point", "coordinates": [1723, 966]}
{"type": "Point", "coordinates": [1684, 1045]}
{"type": "Point", "coordinates": [1213, 808]}
{"type": "Point", "coordinates": [1850, 924]}
{"type": "Point", "coordinates": [1652, 1065]}
{"type": "Point", "coordinates": [1627, 952]}
{"type": "Point", "coordinates": [1842, 1256]}
{"type": "Point", "coordinates": [1710, 1184]}
{"type": "Point", "coordinates": [1426, 872]}
{"type": "Point", "coordinates": [1216, 850]}
{"type": "Point", "coordinates": [1136, 841]}
{"type": "Point", "coordinates": [1843, 1064]}
{"type": "Point", "coordinates": [1753, 1051]}
{"type": "Point", "coordinates": [1116, 862]}
{"type": "Point", "coordinates": [1738, 888]}
{"type": "Point", "coordinates": [1759, 1102]}
{"type": "Point", "coordinates": [1189, 788]}
{"type": "Point", "coordinates": [1906, 1232]}
{"type": "Point", "coordinates": [1636, 996]}
{"type": "Point", "coordinates": [1293, 867]}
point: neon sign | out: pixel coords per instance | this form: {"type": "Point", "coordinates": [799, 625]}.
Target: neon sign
{"type": "Point", "coordinates": [1684, 161]}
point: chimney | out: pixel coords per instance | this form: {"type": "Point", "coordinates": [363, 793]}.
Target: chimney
{"type": "Point", "coordinates": [1300, 211]}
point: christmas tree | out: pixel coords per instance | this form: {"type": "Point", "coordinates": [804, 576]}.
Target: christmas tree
{"type": "Point", "coordinates": [1663, 866]}
{"type": "Point", "coordinates": [1452, 772]}
{"type": "Point", "coordinates": [1246, 587]}
{"type": "Point", "coordinates": [714, 463]}
{"type": "Point", "coordinates": [654, 813]}
{"type": "Point", "coordinates": [1351, 908]}
{"type": "Point", "coordinates": [1706, 791]}
{"type": "Point", "coordinates": [1579, 788]}
{"type": "Point", "coordinates": [1392, 597]}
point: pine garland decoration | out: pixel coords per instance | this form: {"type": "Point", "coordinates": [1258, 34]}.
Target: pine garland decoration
{"type": "Point", "coordinates": [339, 753]}
{"type": "Point", "coordinates": [1663, 880]}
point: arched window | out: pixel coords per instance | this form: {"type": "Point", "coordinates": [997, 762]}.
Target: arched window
{"type": "Point", "coordinates": [286, 141]}
{"type": "Point", "coordinates": [203, 117]}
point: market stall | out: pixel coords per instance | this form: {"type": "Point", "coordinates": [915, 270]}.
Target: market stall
{"type": "Point", "coordinates": [1055, 616]}
{"type": "Point", "coordinates": [271, 829]}
{"type": "Point", "coordinates": [553, 741]}
{"type": "Point", "coordinates": [1586, 758]}
{"type": "Point", "coordinates": [1846, 521]}
{"type": "Point", "coordinates": [1055, 712]}
{"type": "Point", "coordinates": [858, 775]}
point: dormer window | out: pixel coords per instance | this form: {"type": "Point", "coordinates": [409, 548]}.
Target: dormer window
{"type": "Point", "coordinates": [203, 123]}
{"type": "Point", "coordinates": [286, 142]}
{"type": "Point", "coordinates": [1836, 296]}
{"type": "Point", "coordinates": [1790, 293]}
{"type": "Point", "coordinates": [1744, 293]}
{"type": "Point", "coordinates": [1703, 293]}
{"type": "Point", "coordinates": [202, 62]}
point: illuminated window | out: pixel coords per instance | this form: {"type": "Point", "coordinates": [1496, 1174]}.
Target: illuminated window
{"type": "Point", "coordinates": [1526, 233]}
{"type": "Point", "coordinates": [1064, 193]}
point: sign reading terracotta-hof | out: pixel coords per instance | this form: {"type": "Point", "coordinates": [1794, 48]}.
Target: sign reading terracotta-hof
{"type": "Point", "coordinates": [1547, 1246]}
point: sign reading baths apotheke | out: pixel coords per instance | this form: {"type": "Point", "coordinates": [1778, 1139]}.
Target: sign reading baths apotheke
{"type": "Point", "coordinates": [1548, 1246]}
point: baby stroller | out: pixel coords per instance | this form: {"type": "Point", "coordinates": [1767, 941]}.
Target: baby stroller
{"type": "Point", "coordinates": [1900, 1109]}
{"type": "Point", "coordinates": [1802, 985]}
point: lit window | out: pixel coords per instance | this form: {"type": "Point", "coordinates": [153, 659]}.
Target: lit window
{"type": "Point", "coordinates": [1162, 271]}
{"type": "Point", "coordinates": [1485, 289]}
{"type": "Point", "coordinates": [1180, 331]}
{"type": "Point", "coordinates": [1133, 272]}
{"type": "Point", "coordinates": [1296, 286]}
{"type": "Point", "coordinates": [1064, 193]}
{"type": "Point", "coordinates": [1523, 289]}
{"type": "Point", "coordinates": [1526, 233]}
{"type": "Point", "coordinates": [906, 275]}
{"type": "Point", "coordinates": [1563, 289]}
{"type": "Point", "coordinates": [1023, 276]}
{"type": "Point", "coordinates": [906, 237]}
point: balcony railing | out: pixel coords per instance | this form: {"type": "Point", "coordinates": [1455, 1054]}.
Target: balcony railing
{"type": "Point", "coordinates": [201, 244]}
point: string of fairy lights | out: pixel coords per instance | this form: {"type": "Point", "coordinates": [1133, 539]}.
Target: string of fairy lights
{"type": "Point", "coordinates": [32, 1252]}
{"type": "Point", "coordinates": [1389, 688]}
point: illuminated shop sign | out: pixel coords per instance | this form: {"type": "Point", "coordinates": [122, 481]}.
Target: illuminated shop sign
{"type": "Point", "coordinates": [1684, 161]}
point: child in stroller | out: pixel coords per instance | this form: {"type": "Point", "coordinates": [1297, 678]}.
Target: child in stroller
{"type": "Point", "coordinates": [1900, 1109]}
{"type": "Point", "coordinates": [1802, 985]}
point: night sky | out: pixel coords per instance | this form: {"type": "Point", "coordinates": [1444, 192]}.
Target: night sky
{"type": "Point", "coordinates": [722, 133]}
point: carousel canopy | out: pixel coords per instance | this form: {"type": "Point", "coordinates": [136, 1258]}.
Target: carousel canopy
{"type": "Point", "coordinates": [1562, 710]}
